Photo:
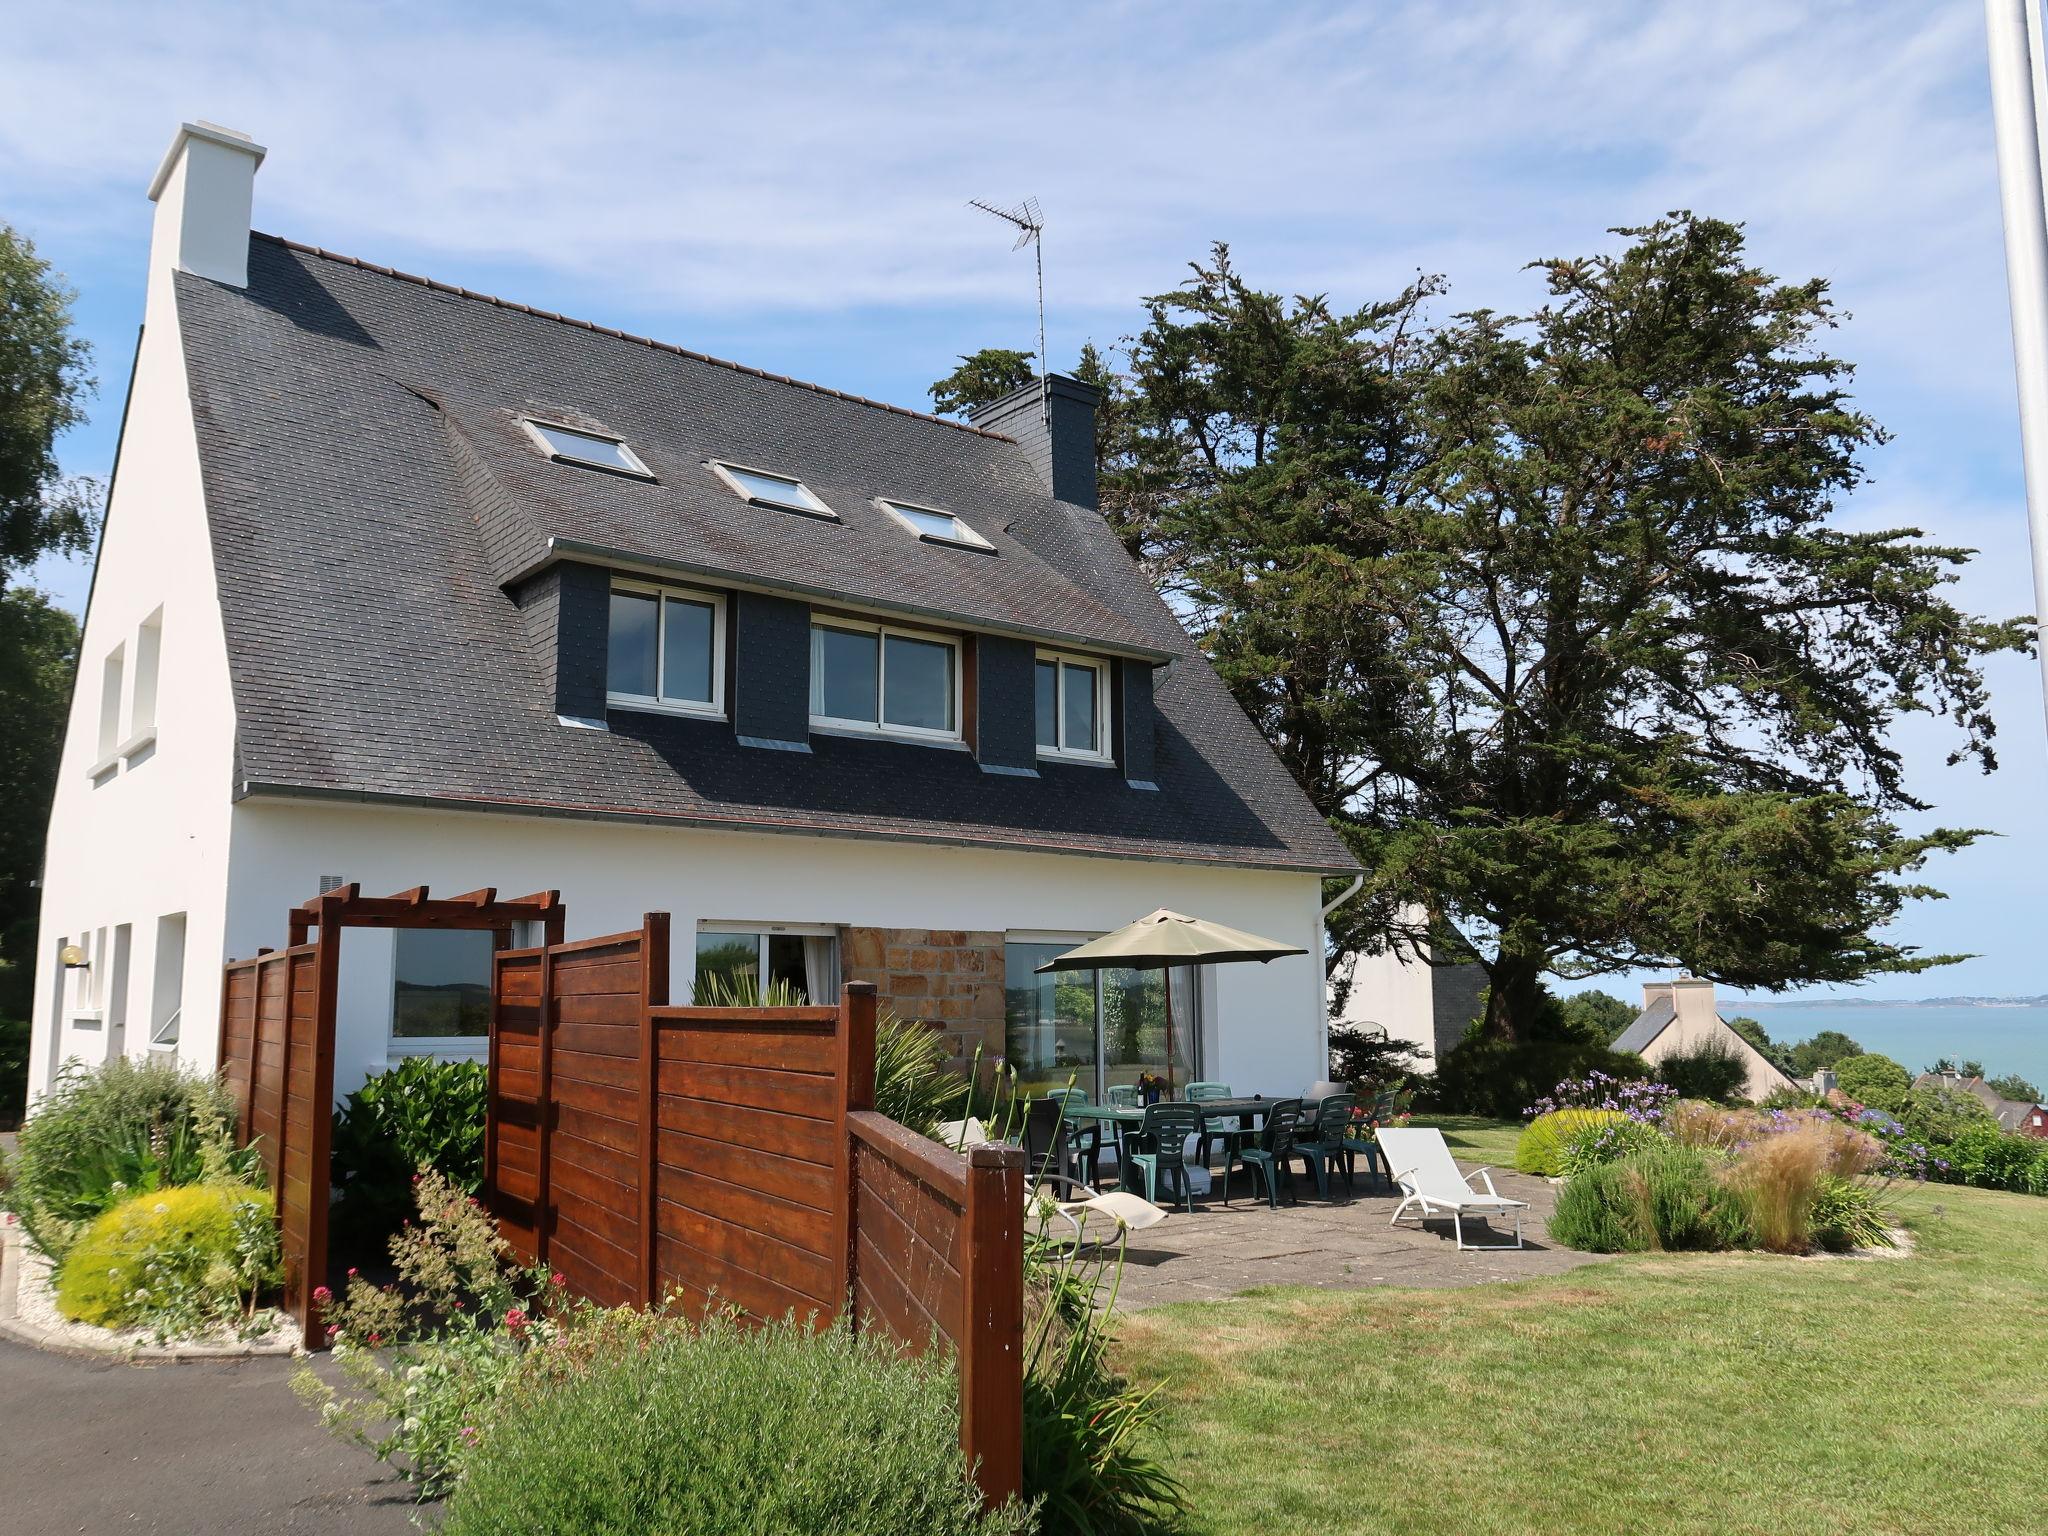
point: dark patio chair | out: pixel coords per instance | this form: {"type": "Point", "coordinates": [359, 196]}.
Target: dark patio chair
{"type": "Point", "coordinates": [1053, 1143]}
{"type": "Point", "coordinates": [1327, 1145]}
{"type": "Point", "coordinates": [1158, 1149]}
{"type": "Point", "coordinates": [1271, 1154]}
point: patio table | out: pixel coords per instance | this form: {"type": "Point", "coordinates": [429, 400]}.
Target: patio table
{"type": "Point", "coordinates": [1121, 1118]}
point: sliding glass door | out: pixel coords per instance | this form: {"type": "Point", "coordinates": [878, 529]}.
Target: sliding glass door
{"type": "Point", "coordinates": [1103, 1028]}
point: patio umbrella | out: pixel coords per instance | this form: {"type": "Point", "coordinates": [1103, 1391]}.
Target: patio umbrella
{"type": "Point", "coordinates": [1166, 939]}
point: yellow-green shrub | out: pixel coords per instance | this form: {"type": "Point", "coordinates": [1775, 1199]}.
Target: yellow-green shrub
{"type": "Point", "coordinates": [1544, 1137]}
{"type": "Point", "coordinates": [180, 1259]}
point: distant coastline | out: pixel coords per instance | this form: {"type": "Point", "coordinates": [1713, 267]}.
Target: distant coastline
{"type": "Point", "coordinates": [2039, 1001]}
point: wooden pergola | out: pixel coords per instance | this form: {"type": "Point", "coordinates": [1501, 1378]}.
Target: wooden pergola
{"type": "Point", "coordinates": [277, 1047]}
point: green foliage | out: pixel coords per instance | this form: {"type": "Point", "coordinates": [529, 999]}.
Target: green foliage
{"type": "Point", "coordinates": [423, 1360]}
{"type": "Point", "coordinates": [1948, 1066]}
{"type": "Point", "coordinates": [1665, 1196]}
{"type": "Point", "coordinates": [1826, 1049]}
{"type": "Point", "coordinates": [181, 1261]}
{"type": "Point", "coordinates": [2013, 1086]}
{"type": "Point", "coordinates": [46, 367]}
{"type": "Point", "coordinates": [1598, 1016]}
{"type": "Point", "coordinates": [1485, 1075]}
{"type": "Point", "coordinates": [915, 1084]}
{"type": "Point", "coordinates": [1553, 613]}
{"type": "Point", "coordinates": [1086, 1468]}
{"type": "Point", "coordinates": [128, 1126]}
{"type": "Point", "coordinates": [421, 1113]}
{"type": "Point", "coordinates": [1875, 1080]}
{"type": "Point", "coordinates": [1848, 1214]}
{"type": "Point", "coordinates": [38, 648]}
{"type": "Point", "coordinates": [1593, 1146]}
{"type": "Point", "coordinates": [981, 378]}
{"type": "Point", "coordinates": [1543, 1139]}
{"type": "Point", "coordinates": [1989, 1158]}
{"type": "Point", "coordinates": [1709, 1069]}
{"type": "Point", "coordinates": [1940, 1112]}
{"type": "Point", "coordinates": [14, 1047]}
{"type": "Point", "coordinates": [727, 1430]}
{"type": "Point", "coordinates": [1371, 1061]}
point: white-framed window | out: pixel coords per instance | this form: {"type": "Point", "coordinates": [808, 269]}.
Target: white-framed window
{"type": "Point", "coordinates": [934, 526]}
{"type": "Point", "coordinates": [867, 676]}
{"type": "Point", "coordinates": [765, 488]}
{"type": "Point", "coordinates": [733, 959]}
{"type": "Point", "coordinates": [440, 990]}
{"type": "Point", "coordinates": [592, 450]}
{"type": "Point", "coordinates": [666, 649]}
{"type": "Point", "coordinates": [1072, 699]}
{"type": "Point", "coordinates": [167, 994]}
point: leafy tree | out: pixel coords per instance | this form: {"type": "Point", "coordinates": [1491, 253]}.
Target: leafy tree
{"type": "Point", "coordinates": [1826, 1049]}
{"type": "Point", "coordinates": [982, 377]}
{"type": "Point", "coordinates": [1939, 1113]}
{"type": "Point", "coordinates": [38, 647]}
{"type": "Point", "coordinates": [1948, 1067]}
{"type": "Point", "coordinates": [1875, 1080]}
{"type": "Point", "coordinates": [1368, 1060]}
{"type": "Point", "coordinates": [1599, 1016]}
{"type": "Point", "coordinates": [1549, 613]}
{"type": "Point", "coordinates": [2012, 1086]}
{"type": "Point", "coordinates": [1777, 1055]}
{"type": "Point", "coordinates": [45, 379]}
{"type": "Point", "coordinates": [1710, 1069]}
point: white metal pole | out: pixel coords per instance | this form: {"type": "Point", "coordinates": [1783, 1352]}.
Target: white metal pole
{"type": "Point", "coordinates": [2015, 118]}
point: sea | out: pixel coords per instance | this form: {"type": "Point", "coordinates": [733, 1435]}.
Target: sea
{"type": "Point", "coordinates": [2011, 1038]}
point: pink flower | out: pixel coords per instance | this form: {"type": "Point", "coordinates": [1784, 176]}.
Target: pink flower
{"type": "Point", "coordinates": [556, 1279]}
{"type": "Point", "coordinates": [351, 1273]}
{"type": "Point", "coordinates": [515, 1320]}
{"type": "Point", "coordinates": [333, 1332]}
{"type": "Point", "coordinates": [322, 1295]}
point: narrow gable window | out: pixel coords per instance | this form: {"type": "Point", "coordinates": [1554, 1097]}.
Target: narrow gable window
{"type": "Point", "coordinates": [1073, 707]}
{"type": "Point", "coordinates": [765, 489]}
{"type": "Point", "coordinates": [667, 650]}
{"type": "Point", "coordinates": [934, 526]}
{"type": "Point", "coordinates": [895, 682]}
{"type": "Point", "coordinates": [567, 445]}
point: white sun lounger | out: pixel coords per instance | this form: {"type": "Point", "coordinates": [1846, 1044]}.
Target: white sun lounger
{"type": "Point", "coordinates": [1089, 1215]}
{"type": "Point", "coordinates": [1429, 1178]}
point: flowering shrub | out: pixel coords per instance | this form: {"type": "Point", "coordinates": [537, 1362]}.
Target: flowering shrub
{"type": "Point", "coordinates": [1642, 1101]}
{"type": "Point", "coordinates": [1543, 1139]}
{"type": "Point", "coordinates": [177, 1261]}
{"type": "Point", "coordinates": [425, 1358]}
{"type": "Point", "coordinates": [1595, 1146]}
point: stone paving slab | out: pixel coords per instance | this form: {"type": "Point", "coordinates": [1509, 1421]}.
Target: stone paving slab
{"type": "Point", "coordinates": [1344, 1243]}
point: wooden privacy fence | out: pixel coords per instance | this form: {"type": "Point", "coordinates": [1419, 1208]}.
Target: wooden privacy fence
{"type": "Point", "coordinates": [733, 1157]}
{"type": "Point", "coordinates": [283, 1084]}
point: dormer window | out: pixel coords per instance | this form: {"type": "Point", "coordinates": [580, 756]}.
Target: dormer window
{"type": "Point", "coordinates": [881, 679]}
{"type": "Point", "coordinates": [666, 650]}
{"type": "Point", "coordinates": [766, 489]}
{"type": "Point", "coordinates": [933, 525]}
{"type": "Point", "coordinates": [1073, 707]}
{"type": "Point", "coordinates": [570, 445]}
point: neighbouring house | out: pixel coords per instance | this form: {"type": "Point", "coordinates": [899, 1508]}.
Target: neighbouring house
{"type": "Point", "coordinates": [2020, 1116]}
{"type": "Point", "coordinates": [1425, 1007]}
{"type": "Point", "coordinates": [403, 584]}
{"type": "Point", "coordinates": [1679, 1017]}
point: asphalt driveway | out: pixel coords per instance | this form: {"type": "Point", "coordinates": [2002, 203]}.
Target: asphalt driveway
{"type": "Point", "coordinates": [208, 1449]}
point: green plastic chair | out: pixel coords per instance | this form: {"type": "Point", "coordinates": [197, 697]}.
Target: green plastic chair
{"type": "Point", "coordinates": [1159, 1149]}
{"type": "Point", "coordinates": [1328, 1145]}
{"type": "Point", "coordinates": [1083, 1137]}
{"type": "Point", "coordinates": [1214, 1133]}
{"type": "Point", "coordinates": [1122, 1095]}
{"type": "Point", "coordinates": [1272, 1156]}
{"type": "Point", "coordinates": [1197, 1093]}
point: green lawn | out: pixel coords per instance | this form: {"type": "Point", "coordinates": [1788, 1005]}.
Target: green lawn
{"type": "Point", "coordinates": [1701, 1393]}
{"type": "Point", "coordinates": [1474, 1140]}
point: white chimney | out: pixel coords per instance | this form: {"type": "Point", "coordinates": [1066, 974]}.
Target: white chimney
{"type": "Point", "coordinates": [203, 193]}
{"type": "Point", "coordinates": [1692, 1000]}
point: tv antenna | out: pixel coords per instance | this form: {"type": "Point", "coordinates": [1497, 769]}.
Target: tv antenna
{"type": "Point", "coordinates": [1030, 225]}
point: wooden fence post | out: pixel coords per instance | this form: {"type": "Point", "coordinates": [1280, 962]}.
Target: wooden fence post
{"type": "Point", "coordinates": [856, 1063]}
{"type": "Point", "coordinates": [654, 933]}
{"type": "Point", "coordinates": [319, 1173]}
{"type": "Point", "coordinates": [544, 1103]}
{"type": "Point", "coordinates": [992, 1310]}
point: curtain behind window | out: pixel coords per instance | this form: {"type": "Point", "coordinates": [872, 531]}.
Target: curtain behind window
{"type": "Point", "coordinates": [821, 969]}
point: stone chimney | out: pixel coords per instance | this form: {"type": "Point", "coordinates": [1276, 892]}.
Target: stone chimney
{"type": "Point", "coordinates": [1655, 992]}
{"type": "Point", "coordinates": [203, 193]}
{"type": "Point", "coordinates": [1692, 999]}
{"type": "Point", "coordinates": [1058, 436]}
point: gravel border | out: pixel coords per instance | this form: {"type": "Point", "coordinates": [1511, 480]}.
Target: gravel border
{"type": "Point", "coordinates": [29, 1315]}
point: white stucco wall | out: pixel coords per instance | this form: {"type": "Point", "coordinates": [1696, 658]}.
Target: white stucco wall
{"type": "Point", "coordinates": [1262, 1022]}
{"type": "Point", "coordinates": [1395, 995]}
{"type": "Point", "coordinates": [149, 836]}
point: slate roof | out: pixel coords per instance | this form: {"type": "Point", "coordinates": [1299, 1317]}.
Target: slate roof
{"type": "Point", "coordinates": [370, 494]}
{"type": "Point", "coordinates": [2011, 1114]}
{"type": "Point", "coordinates": [1649, 1024]}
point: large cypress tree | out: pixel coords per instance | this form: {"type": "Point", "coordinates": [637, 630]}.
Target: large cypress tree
{"type": "Point", "coordinates": [1553, 614]}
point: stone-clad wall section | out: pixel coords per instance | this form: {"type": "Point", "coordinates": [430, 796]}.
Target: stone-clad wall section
{"type": "Point", "coordinates": [950, 978]}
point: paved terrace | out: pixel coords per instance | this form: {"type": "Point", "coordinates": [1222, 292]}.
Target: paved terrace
{"type": "Point", "coordinates": [1337, 1244]}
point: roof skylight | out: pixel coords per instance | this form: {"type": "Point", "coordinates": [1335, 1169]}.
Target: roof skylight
{"type": "Point", "coordinates": [569, 445]}
{"type": "Point", "coordinates": [934, 526]}
{"type": "Point", "coordinates": [771, 490]}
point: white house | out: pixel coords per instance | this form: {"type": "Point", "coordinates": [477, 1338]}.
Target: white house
{"type": "Point", "coordinates": [1679, 1018]}
{"type": "Point", "coordinates": [403, 584]}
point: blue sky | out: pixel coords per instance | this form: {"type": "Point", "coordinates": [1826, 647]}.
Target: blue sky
{"type": "Point", "coordinates": [787, 185]}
